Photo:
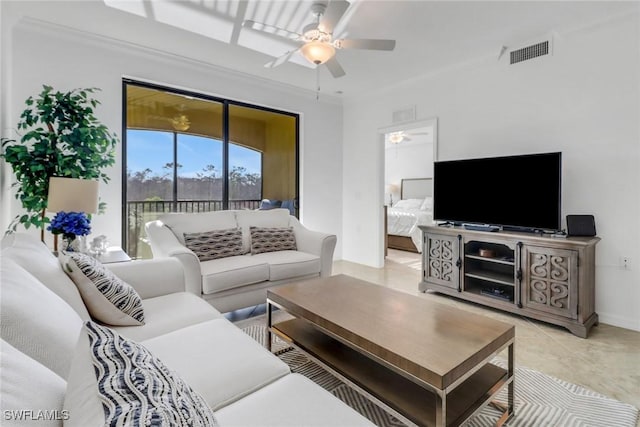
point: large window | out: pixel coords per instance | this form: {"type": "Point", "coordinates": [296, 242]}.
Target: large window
{"type": "Point", "coordinates": [185, 152]}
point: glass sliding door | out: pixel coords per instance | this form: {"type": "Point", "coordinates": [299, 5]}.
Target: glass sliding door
{"type": "Point", "coordinates": [266, 140]}
{"type": "Point", "coordinates": [185, 152]}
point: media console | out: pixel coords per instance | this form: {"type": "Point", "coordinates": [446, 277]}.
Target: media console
{"type": "Point", "coordinates": [544, 278]}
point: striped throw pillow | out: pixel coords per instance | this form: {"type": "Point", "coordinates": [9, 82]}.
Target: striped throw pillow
{"type": "Point", "coordinates": [272, 239]}
{"type": "Point", "coordinates": [108, 298]}
{"type": "Point", "coordinates": [115, 381]}
{"type": "Point", "coordinates": [215, 244]}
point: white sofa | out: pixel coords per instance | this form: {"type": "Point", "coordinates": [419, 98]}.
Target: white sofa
{"type": "Point", "coordinates": [241, 280]}
{"type": "Point", "coordinates": [42, 316]}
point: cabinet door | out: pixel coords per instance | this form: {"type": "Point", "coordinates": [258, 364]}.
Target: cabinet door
{"type": "Point", "coordinates": [550, 280]}
{"type": "Point", "coordinates": [441, 260]}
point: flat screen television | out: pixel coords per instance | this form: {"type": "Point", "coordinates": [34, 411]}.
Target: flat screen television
{"type": "Point", "coordinates": [515, 192]}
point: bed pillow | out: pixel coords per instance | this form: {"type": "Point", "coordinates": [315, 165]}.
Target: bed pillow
{"type": "Point", "coordinates": [427, 204]}
{"type": "Point", "coordinates": [215, 244]}
{"type": "Point", "coordinates": [108, 298]}
{"type": "Point", "coordinates": [408, 204]}
{"type": "Point", "coordinates": [272, 239]}
{"type": "Point", "coordinates": [116, 381]}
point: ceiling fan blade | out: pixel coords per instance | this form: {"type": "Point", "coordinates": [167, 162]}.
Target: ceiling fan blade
{"type": "Point", "coordinates": [270, 29]}
{"type": "Point", "coordinates": [419, 133]}
{"type": "Point", "coordinates": [280, 60]}
{"type": "Point", "coordinates": [372, 44]}
{"type": "Point", "coordinates": [335, 68]}
{"type": "Point", "coordinates": [333, 14]}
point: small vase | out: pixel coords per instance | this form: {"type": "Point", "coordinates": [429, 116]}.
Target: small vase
{"type": "Point", "coordinates": [73, 243]}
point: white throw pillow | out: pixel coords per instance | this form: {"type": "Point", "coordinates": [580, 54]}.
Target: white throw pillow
{"type": "Point", "coordinates": [30, 390]}
{"type": "Point", "coordinates": [427, 204]}
{"type": "Point", "coordinates": [116, 381]}
{"type": "Point", "coordinates": [408, 204]}
{"type": "Point", "coordinates": [108, 298]}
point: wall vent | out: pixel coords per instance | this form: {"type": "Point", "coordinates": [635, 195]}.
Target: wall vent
{"type": "Point", "coordinates": [406, 114]}
{"type": "Point", "coordinates": [530, 52]}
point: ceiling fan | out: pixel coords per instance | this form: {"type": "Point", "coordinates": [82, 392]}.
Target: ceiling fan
{"type": "Point", "coordinates": [400, 136]}
{"type": "Point", "coordinates": [318, 45]}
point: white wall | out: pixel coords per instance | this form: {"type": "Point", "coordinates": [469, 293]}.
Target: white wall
{"type": "Point", "coordinates": [584, 101]}
{"type": "Point", "coordinates": [407, 161]}
{"type": "Point", "coordinates": [42, 53]}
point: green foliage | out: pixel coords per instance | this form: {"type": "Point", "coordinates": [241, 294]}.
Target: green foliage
{"type": "Point", "coordinates": [60, 137]}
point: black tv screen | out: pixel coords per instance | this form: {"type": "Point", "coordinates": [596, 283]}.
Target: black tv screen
{"type": "Point", "coordinates": [517, 192]}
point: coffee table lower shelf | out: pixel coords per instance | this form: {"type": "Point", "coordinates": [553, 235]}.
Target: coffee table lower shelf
{"type": "Point", "coordinates": [413, 401]}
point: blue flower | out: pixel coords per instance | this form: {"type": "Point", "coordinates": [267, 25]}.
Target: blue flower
{"type": "Point", "coordinates": [70, 224]}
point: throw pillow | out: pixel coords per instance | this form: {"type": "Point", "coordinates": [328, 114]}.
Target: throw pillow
{"type": "Point", "coordinates": [427, 204]}
{"type": "Point", "coordinates": [272, 239]}
{"type": "Point", "coordinates": [215, 244]}
{"type": "Point", "coordinates": [118, 382]}
{"type": "Point", "coordinates": [108, 298]}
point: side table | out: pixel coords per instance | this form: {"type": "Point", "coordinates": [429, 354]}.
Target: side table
{"type": "Point", "coordinates": [113, 254]}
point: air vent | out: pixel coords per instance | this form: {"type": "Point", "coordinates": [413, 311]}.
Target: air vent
{"type": "Point", "coordinates": [530, 52]}
{"type": "Point", "coordinates": [406, 114]}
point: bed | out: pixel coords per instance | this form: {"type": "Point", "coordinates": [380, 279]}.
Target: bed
{"type": "Point", "coordinates": [414, 208]}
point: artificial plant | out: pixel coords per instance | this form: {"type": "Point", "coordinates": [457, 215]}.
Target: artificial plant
{"type": "Point", "coordinates": [61, 136]}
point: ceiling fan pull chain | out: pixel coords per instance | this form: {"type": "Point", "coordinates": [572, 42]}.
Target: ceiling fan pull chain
{"type": "Point", "coordinates": [317, 83]}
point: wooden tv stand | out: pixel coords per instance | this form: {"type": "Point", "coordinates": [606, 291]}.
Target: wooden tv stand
{"type": "Point", "coordinates": [545, 278]}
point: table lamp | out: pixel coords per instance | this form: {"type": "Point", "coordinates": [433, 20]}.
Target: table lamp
{"type": "Point", "coordinates": [72, 195]}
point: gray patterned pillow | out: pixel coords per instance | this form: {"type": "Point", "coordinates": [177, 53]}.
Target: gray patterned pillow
{"type": "Point", "coordinates": [115, 381]}
{"type": "Point", "coordinates": [108, 298]}
{"type": "Point", "coordinates": [215, 244]}
{"type": "Point", "coordinates": [272, 239]}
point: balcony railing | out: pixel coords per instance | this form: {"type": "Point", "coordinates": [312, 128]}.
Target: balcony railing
{"type": "Point", "coordinates": [141, 212]}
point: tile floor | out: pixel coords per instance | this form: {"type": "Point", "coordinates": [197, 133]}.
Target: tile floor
{"type": "Point", "coordinates": [607, 362]}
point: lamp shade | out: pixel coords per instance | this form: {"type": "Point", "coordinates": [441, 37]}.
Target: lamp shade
{"type": "Point", "coordinates": [72, 195]}
{"type": "Point", "coordinates": [318, 52]}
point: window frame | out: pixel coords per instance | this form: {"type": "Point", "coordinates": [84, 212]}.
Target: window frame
{"type": "Point", "coordinates": [226, 103]}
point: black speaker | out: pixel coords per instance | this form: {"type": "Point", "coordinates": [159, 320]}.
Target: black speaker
{"type": "Point", "coordinates": [581, 225]}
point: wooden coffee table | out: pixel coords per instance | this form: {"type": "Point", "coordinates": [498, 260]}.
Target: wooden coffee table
{"type": "Point", "coordinates": [427, 362]}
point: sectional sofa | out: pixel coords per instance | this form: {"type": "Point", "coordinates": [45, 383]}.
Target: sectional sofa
{"type": "Point", "coordinates": [48, 373]}
{"type": "Point", "coordinates": [237, 273]}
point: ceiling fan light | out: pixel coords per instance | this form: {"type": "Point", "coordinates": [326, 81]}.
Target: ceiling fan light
{"type": "Point", "coordinates": [181, 123]}
{"type": "Point", "coordinates": [318, 52]}
{"type": "Point", "coordinates": [396, 137]}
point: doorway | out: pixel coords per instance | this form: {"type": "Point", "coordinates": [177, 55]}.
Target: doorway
{"type": "Point", "coordinates": [410, 150]}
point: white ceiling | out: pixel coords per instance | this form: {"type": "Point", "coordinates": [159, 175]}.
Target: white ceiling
{"type": "Point", "coordinates": [431, 35]}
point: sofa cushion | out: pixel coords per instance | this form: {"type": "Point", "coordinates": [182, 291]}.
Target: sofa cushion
{"type": "Point", "coordinates": [181, 223]}
{"type": "Point", "coordinates": [35, 320]}
{"type": "Point", "coordinates": [108, 298]}
{"type": "Point", "coordinates": [168, 313]}
{"type": "Point", "coordinates": [270, 218]}
{"type": "Point", "coordinates": [218, 360]}
{"type": "Point", "coordinates": [272, 239]}
{"type": "Point", "coordinates": [226, 273]}
{"type": "Point", "coordinates": [25, 249]}
{"type": "Point", "coordinates": [116, 381]}
{"type": "Point", "coordinates": [215, 244]}
{"type": "Point", "coordinates": [28, 385]}
{"type": "Point", "coordinates": [289, 264]}
{"type": "Point", "coordinates": [293, 401]}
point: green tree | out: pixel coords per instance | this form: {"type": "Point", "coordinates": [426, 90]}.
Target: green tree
{"type": "Point", "coordinates": [61, 137]}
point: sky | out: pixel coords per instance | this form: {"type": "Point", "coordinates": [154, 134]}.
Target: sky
{"type": "Point", "coordinates": [154, 149]}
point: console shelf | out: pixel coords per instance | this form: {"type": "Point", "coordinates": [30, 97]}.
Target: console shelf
{"type": "Point", "coordinates": [544, 278]}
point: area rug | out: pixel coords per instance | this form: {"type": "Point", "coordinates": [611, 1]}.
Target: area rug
{"type": "Point", "coordinates": [540, 400]}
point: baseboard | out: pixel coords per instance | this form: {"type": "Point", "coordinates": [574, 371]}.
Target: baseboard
{"type": "Point", "coordinates": [619, 321]}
